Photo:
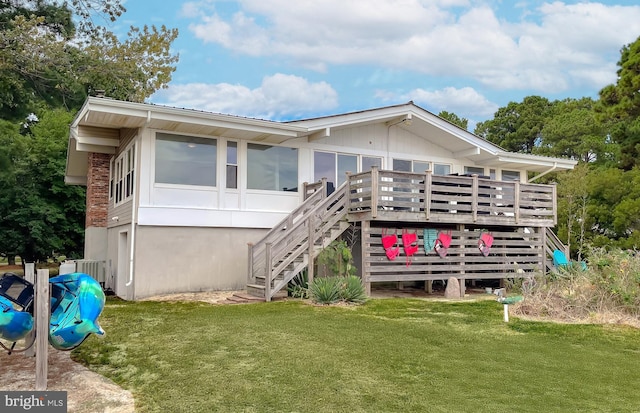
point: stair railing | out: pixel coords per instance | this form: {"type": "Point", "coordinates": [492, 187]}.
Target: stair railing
{"type": "Point", "coordinates": [290, 238]}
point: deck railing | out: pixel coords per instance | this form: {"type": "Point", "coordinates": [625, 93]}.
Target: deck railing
{"type": "Point", "coordinates": [407, 196]}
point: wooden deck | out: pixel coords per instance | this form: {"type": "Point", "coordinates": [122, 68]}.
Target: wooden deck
{"type": "Point", "coordinates": [517, 216]}
{"type": "Point", "coordinates": [412, 197]}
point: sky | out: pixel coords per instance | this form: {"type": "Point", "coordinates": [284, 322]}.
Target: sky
{"type": "Point", "coordinates": [298, 59]}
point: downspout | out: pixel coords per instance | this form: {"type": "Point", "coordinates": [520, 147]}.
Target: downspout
{"type": "Point", "coordinates": [133, 212]}
{"type": "Point", "coordinates": [553, 168]}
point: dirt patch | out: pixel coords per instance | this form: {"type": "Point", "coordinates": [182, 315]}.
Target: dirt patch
{"type": "Point", "coordinates": [210, 297]}
{"type": "Point", "coordinates": [87, 392]}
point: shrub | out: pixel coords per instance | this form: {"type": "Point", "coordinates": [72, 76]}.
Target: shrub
{"type": "Point", "coordinates": [336, 259]}
{"type": "Point", "coordinates": [298, 287]}
{"type": "Point", "coordinates": [353, 290]}
{"type": "Point", "coordinates": [608, 290]}
{"type": "Point", "coordinates": [329, 290]}
{"type": "Point", "coordinates": [326, 290]}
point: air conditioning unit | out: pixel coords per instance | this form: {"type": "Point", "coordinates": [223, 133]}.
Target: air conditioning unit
{"type": "Point", "coordinates": [96, 269]}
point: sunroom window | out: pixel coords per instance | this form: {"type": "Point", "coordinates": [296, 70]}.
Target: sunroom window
{"type": "Point", "coordinates": [185, 160]}
{"type": "Point", "coordinates": [122, 176]}
{"type": "Point", "coordinates": [272, 168]}
{"type": "Point", "coordinates": [333, 166]}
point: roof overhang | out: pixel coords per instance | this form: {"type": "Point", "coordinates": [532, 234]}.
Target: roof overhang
{"type": "Point", "coordinates": [97, 128]}
{"type": "Point", "coordinates": [439, 131]}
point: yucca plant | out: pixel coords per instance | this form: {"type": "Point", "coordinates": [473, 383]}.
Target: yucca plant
{"type": "Point", "coordinates": [353, 290]}
{"type": "Point", "coordinates": [326, 290]}
{"type": "Point", "coordinates": [298, 287]}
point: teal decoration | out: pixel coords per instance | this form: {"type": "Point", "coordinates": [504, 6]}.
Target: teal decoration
{"type": "Point", "coordinates": [429, 237]}
{"type": "Point", "coordinates": [14, 324]}
{"type": "Point", "coordinates": [76, 303]}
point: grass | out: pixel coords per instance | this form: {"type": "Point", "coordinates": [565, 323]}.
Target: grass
{"type": "Point", "coordinates": [389, 355]}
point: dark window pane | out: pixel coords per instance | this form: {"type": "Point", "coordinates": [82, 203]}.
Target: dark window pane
{"type": "Point", "coordinates": [185, 160]}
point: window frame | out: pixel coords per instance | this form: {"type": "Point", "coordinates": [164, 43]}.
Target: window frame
{"type": "Point", "coordinates": [122, 176]}
{"type": "Point", "coordinates": [195, 140]}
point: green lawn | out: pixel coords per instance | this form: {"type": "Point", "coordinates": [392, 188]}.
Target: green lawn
{"type": "Point", "coordinates": [389, 355]}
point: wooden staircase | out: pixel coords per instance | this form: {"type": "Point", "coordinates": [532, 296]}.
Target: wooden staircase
{"type": "Point", "coordinates": [552, 243]}
{"type": "Point", "coordinates": [293, 244]}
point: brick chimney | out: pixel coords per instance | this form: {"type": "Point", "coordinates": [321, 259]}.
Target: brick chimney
{"type": "Point", "coordinates": [97, 190]}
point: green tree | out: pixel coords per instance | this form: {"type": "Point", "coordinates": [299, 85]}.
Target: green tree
{"type": "Point", "coordinates": [614, 207]}
{"type": "Point", "coordinates": [619, 106]}
{"type": "Point", "coordinates": [518, 126]}
{"type": "Point", "coordinates": [39, 214]}
{"type": "Point", "coordinates": [455, 119]}
{"type": "Point", "coordinates": [573, 200]}
{"type": "Point", "coordinates": [45, 62]}
{"type": "Point", "coordinates": [572, 131]}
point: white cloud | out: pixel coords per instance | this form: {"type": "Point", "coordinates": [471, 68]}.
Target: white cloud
{"type": "Point", "coordinates": [552, 48]}
{"type": "Point", "coordinates": [279, 96]}
{"type": "Point", "coordinates": [465, 102]}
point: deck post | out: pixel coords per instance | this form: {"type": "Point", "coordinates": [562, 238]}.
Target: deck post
{"type": "Point", "coordinates": [250, 265]}
{"type": "Point", "coordinates": [267, 272]}
{"type": "Point", "coordinates": [428, 286]}
{"type": "Point", "coordinates": [310, 263]}
{"type": "Point", "coordinates": [30, 275]}
{"type": "Point", "coordinates": [462, 260]}
{"type": "Point", "coordinates": [347, 204]}
{"type": "Point", "coordinates": [474, 196]}
{"type": "Point", "coordinates": [365, 230]}
{"type": "Point", "coordinates": [324, 188]}
{"type": "Point", "coordinates": [427, 194]}
{"type": "Point", "coordinates": [42, 329]}
{"type": "Point", "coordinates": [516, 202]}
{"type": "Point", "coordinates": [554, 195]}
{"type": "Point", "coordinates": [374, 191]}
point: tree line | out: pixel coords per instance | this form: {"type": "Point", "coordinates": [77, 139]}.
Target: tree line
{"type": "Point", "coordinates": [53, 55]}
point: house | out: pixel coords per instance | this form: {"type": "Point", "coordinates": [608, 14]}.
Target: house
{"type": "Point", "coordinates": [175, 196]}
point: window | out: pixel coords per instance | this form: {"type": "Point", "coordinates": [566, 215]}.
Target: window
{"type": "Point", "coordinates": [121, 184]}
{"type": "Point", "coordinates": [333, 166]}
{"type": "Point", "coordinates": [410, 166]}
{"type": "Point", "coordinates": [469, 170]}
{"type": "Point", "coordinates": [441, 169]}
{"type": "Point", "coordinates": [401, 165]}
{"type": "Point", "coordinates": [272, 168]}
{"type": "Point", "coordinates": [421, 167]}
{"type": "Point", "coordinates": [368, 162]}
{"type": "Point", "coordinates": [185, 160]}
{"type": "Point", "coordinates": [232, 165]}
{"type": "Point", "coordinates": [511, 175]}
{"type": "Point", "coordinates": [112, 171]}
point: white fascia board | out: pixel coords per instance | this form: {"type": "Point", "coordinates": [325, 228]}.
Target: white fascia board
{"type": "Point", "coordinates": [373, 115]}
{"type": "Point", "coordinates": [514, 157]}
{"type": "Point", "coordinates": [75, 180]}
{"type": "Point", "coordinates": [148, 113]}
{"type": "Point", "coordinates": [81, 147]}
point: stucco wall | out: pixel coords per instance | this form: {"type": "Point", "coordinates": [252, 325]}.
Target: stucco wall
{"type": "Point", "coordinates": [189, 259]}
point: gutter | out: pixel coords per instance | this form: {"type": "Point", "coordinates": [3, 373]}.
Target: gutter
{"type": "Point", "coordinates": [133, 213]}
